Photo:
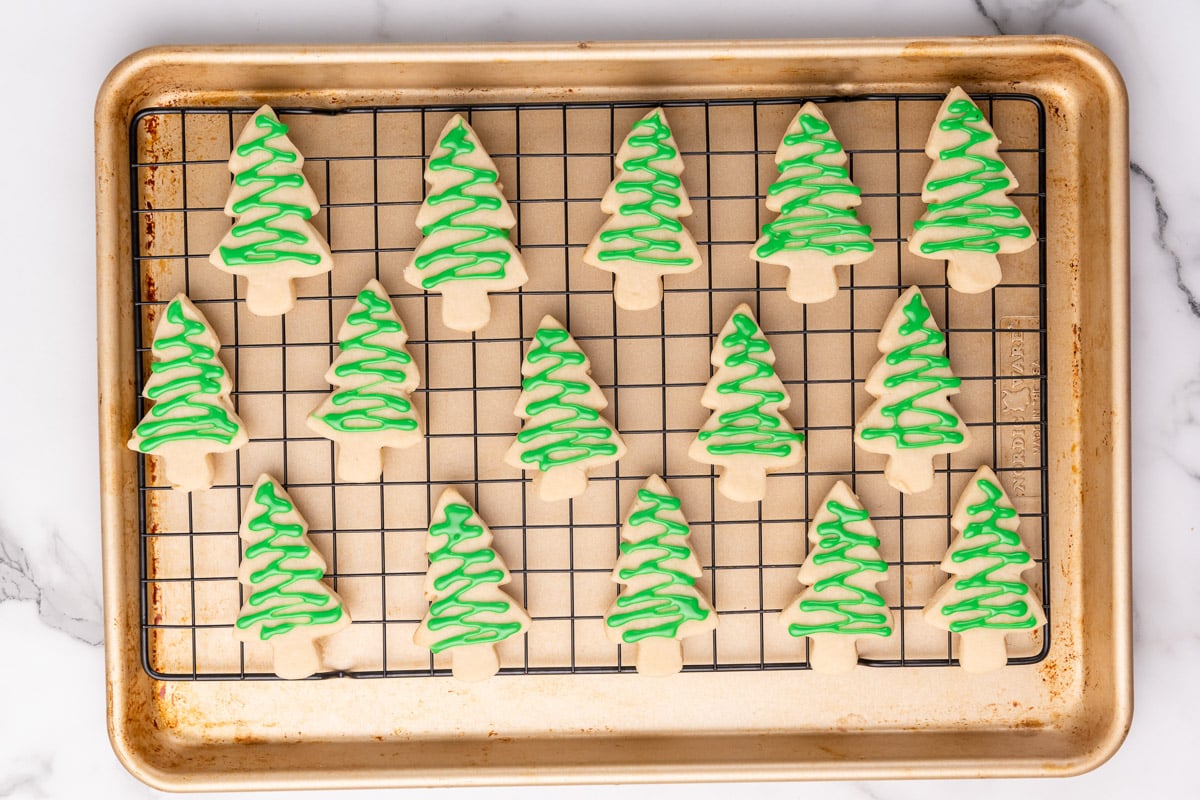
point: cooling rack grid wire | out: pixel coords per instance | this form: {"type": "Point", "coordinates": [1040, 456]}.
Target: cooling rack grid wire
{"type": "Point", "coordinates": [555, 160]}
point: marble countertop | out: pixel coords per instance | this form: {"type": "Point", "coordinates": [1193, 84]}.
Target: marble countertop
{"type": "Point", "coordinates": [52, 734]}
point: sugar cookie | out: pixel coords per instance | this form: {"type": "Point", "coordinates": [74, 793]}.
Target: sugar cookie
{"type": "Point", "coordinates": [192, 417]}
{"type": "Point", "coordinates": [468, 611]}
{"type": "Point", "coordinates": [969, 217]}
{"type": "Point", "coordinates": [746, 436]}
{"type": "Point", "coordinates": [271, 242]}
{"type": "Point", "coordinates": [375, 375]}
{"type": "Point", "coordinates": [288, 604]}
{"type": "Point", "coordinates": [985, 598]}
{"type": "Point", "coordinates": [816, 229]}
{"type": "Point", "coordinates": [643, 238]}
{"type": "Point", "coordinates": [564, 436]}
{"type": "Point", "coordinates": [465, 220]}
{"type": "Point", "coordinates": [659, 604]}
{"type": "Point", "coordinates": [912, 421]}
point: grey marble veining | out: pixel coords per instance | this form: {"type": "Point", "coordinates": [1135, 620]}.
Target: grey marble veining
{"type": "Point", "coordinates": [52, 727]}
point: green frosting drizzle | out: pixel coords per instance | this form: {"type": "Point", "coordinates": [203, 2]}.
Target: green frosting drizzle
{"type": "Point", "coordinates": [963, 212]}
{"type": "Point", "coordinates": [835, 545]}
{"type": "Point", "coordinates": [670, 601]}
{"type": "Point", "coordinates": [941, 427]}
{"type": "Point", "coordinates": [997, 598]}
{"type": "Point", "coordinates": [757, 431]}
{"type": "Point", "coordinates": [460, 260]}
{"type": "Point", "coordinates": [572, 436]}
{"type": "Point", "coordinates": [454, 609]}
{"type": "Point", "coordinates": [272, 247]}
{"type": "Point", "coordinates": [805, 222]}
{"type": "Point", "coordinates": [372, 408]}
{"type": "Point", "coordinates": [286, 542]}
{"type": "Point", "coordinates": [180, 412]}
{"type": "Point", "coordinates": [658, 187]}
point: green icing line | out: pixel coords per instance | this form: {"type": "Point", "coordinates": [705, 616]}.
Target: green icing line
{"type": "Point", "coordinates": [662, 604]}
{"type": "Point", "coordinates": [806, 222]}
{"type": "Point", "coordinates": [996, 598]}
{"type": "Point", "coordinates": [962, 212]}
{"type": "Point", "coordinates": [941, 428]}
{"type": "Point", "coordinates": [757, 432]}
{"type": "Point", "coordinates": [658, 187]}
{"type": "Point", "coordinates": [454, 609]}
{"type": "Point", "coordinates": [460, 260]}
{"type": "Point", "coordinates": [271, 248]}
{"type": "Point", "coordinates": [835, 545]}
{"type": "Point", "coordinates": [571, 437]}
{"type": "Point", "coordinates": [180, 412]}
{"type": "Point", "coordinates": [292, 608]}
{"type": "Point", "coordinates": [371, 409]}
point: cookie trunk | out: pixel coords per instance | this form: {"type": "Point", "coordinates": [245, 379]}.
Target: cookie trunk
{"type": "Point", "coordinates": [561, 482]}
{"type": "Point", "coordinates": [475, 662]}
{"type": "Point", "coordinates": [972, 273]}
{"type": "Point", "coordinates": [269, 293]}
{"type": "Point", "coordinates": [358, 462]}
{"type": "Point", "coordinates": [636, 289]}
{"type": "Point", "coordinates": [743, 484]}
{"type": "Point", "coordinates": [465, 308]}
{"type": "Point", "coordinates": [658, 655]}
{"type": "Point", "coordinates": [295, 658]}
{"type": "Point", "coordinates": [982, 650]}
{"type": "Point", "coordinates": [188, 469]}
{"type": "Point", "coordinates": [833, 654]}
{"type": "Point", "coordinates": [812, 284]}
{"type": "Point", "coordinates": [910, 472]}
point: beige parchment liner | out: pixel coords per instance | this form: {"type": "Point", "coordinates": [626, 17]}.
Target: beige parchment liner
{"type": "Point", "coordinates": [1060, 716]}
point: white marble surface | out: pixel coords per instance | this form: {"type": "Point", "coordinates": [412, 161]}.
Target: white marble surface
{"type": "Point", "coordinates": [55, 54]}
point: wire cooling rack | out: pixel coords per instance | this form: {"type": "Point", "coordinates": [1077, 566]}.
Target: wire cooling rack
{"type": "Point", "coordinates": [555, 161]}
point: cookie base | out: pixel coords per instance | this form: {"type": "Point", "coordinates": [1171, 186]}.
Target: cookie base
{"type": "Point", "coordinates": [658, 655]}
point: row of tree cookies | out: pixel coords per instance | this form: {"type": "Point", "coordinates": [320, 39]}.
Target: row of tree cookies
{"type": "Point", "coordinates": [564, 435]}
{"type": "Point", "coordinates": [465, 219]}
{"type": "Point", "coordinates": [290, 607]}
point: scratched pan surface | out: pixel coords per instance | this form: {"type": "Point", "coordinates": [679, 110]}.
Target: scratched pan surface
{"type": "Point", "coordinates": [1044, 361]}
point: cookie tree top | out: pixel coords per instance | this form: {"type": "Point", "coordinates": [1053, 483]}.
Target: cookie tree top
{"type": "Point", "coordinates": [969, 218]}
{"type": "Point", "coordinates": [271, 241]}
{"type": "Point", "coordinates": [746, 434]}
{"type": "Point", "coordinates": [912, 421]}
{"type": "Point", "coordinates": [644, 239]}
{"type": "Point", "coordinates": [659, 603]}
{"type": "Point", "coordinates": [468, 611]}
{"type": "Point", "coordinates": [288, 604]}
{"type": "Point", "coordinates": [985, 598]}
{"type": "Point", "coordinates": [192, 416]}
{"type": "Point", "coordinates": [816, 229]}
{"type": "Point", "coordinates": [465, 220]}
{"type": "Point", "coordinates": [564, 435]}
{"type": "Point", "coordinates": [840, 603]}
{"type": "Point", "coordinates": [375, 376]}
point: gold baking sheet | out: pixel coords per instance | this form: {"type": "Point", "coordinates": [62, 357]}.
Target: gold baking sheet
{"type": "Point", "coordinates": [170, 558]}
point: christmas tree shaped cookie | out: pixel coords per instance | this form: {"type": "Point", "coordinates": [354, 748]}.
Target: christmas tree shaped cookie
{"type": "Point", "coordinates": [374, 375]}
{"type": "Point", "coordinates": [465, 220]}
{"type": "Point", "coordinates": [912, 421]}
{"type": "Point", "coordinates": [659, 604]}
{"type": "Point", "coordinates": [643, 238]}
{"type": "Point", "coordinates": [817, 228]}
{"type": "Point", "coordinates": [969, 218]}
{"type": "Point", "coordinates": [841, 603]}
{"type": "Point", "coordinates": [271, 241]}
{"type": "Point", "coordinates": [287, 603]}
{"type": "Point", "coordinates": [468, 611]}
{"type": "Point", "coordinates": [746, 436]}
{"type": "Point", "coordinates": [564, 435]}
{"type": "Point", "coordinates": [192, 417]}
{"type": "Point", "coordinates": [985, 598]}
